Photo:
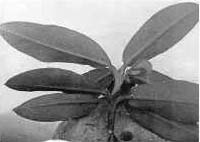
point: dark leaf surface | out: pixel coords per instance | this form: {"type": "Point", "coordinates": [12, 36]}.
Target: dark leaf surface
{"type": "Point", "coordinates": [161, 31]}
{"type": "Point", "coordinates": [57, 107]}
{"type": "Point", "coordinates": [174, 100]}
{"type": "Point", "coordinates": [50, 43]}
{"type": "Point", "coordinates": [102, 76]}
{"type": "Point", "coordinates": [164, 128]}
{"type": "Point", "coordinates": [52, 79]}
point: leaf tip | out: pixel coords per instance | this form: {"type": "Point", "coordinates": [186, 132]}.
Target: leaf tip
{"type": "Point", "coordinates": [8, 83]}
{"type": "Point", "coordinates": [24, 112]}
{"type": "Point", "coordinates": [19, 111]}
{"type": "Point", "coordinates": [11, 84]}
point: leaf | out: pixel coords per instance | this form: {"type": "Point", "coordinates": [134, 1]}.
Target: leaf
{"type": "Point", "coordinates": [140, 71]}
{"type": "Point", "coordinates": [164, 128]}
{"type": "Point", "coordinates": [53, 79]}
{"type": "Point", "coordinates": [156, 76]}
{"type": "Point", "coordinates": [50, 43]}
{"type": "Point", "coordinates": [160, 32]}
{"type": "Point", "coordinates": [143, 67]}
{"type": "Point", "coordinates": [151, 78]}
{"type": "Point", "coordinates": [57, 107]}
{"type": "Point", "coordinates": [174, 100]}
{"type": "Point", "coordinates": [102, 76]}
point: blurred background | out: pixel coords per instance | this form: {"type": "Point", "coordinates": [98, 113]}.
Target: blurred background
{"type": "Point", "coordinates": [109, 22]}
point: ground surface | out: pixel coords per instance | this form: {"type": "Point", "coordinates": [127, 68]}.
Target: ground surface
{"type": "Point", "coordinates": [93, 128]}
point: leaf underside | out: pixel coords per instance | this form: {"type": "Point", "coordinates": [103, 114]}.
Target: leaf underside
{"type": "Point", "coordinates": [161, 31]}
{"type": "Point", "coordinates": [57, 107]}
{"type": "Point", "coordinates": [50, 43]}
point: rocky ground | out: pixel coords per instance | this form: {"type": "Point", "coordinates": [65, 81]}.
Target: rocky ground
{"type": "Point", "coordinates": [93, 129]}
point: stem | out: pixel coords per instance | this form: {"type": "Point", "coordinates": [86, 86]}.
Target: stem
{"type": "Point", "coordinates": [114, 109]}
{"type": "Point", "coordinates": [119, 78]}
{"type": "Point", "coordinates": [116, 78]}
{"type": "Point", "coordinates": [122, 69]}
{"type": "Point", "coordinates": [112, 116]}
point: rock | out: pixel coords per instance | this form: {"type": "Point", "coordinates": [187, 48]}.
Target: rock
{"type": "Point", "coordinates": [93, 128]}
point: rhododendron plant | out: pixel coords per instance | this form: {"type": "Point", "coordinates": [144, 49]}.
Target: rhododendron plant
{"type": "Point", "coordinates": [158, 103]}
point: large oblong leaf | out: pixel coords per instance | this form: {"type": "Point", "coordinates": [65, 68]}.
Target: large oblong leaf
{"type": "Point", "coordinates": [50, 43]}
{"type": "Point", "coordinates": [164, 128]}
{"type": "Point", "coordinates": [57, 107]}
{"type": "Point", "coordinates": [53, 79]}
{"type": "Point", "coordinates": [161, 31]}
{"type": "Point", "coordinates": [174, 100]}
{"type": "Point", "coordinates": [102, 76]}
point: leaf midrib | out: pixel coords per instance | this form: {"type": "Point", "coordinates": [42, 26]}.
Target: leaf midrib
{"type": "Point", "coordinates": [165, 101]}
{"type": "Point", "coordinates": [67, 103]}
{"type": "Point", "coordinates": [138, 52]}
{"type": "Point", "coordinates": [62, 88]}
{"type": "Point", "coordinates": [103, 76]}
{"type": "Point", "coordinates": [54, 48]}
